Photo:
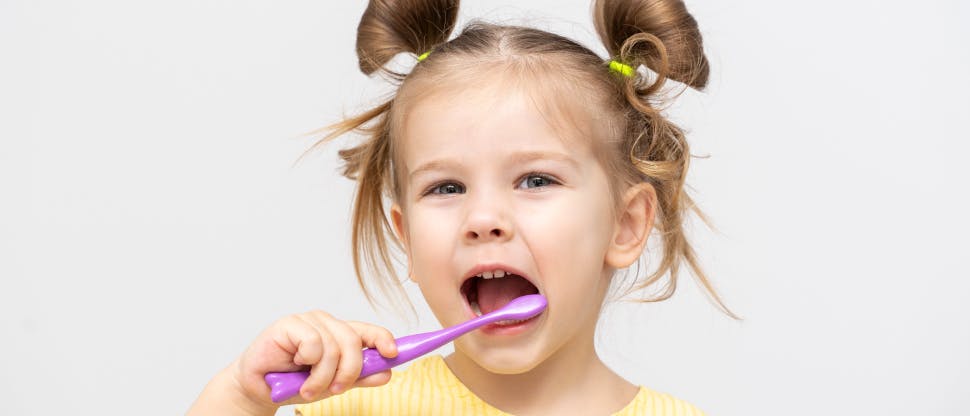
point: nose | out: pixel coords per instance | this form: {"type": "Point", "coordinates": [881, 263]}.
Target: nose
{"type": "Point", "coordinates": [487, 221]}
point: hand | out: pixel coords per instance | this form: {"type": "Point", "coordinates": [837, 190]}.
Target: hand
{"type": "Point", "coordinates": [331, 347]}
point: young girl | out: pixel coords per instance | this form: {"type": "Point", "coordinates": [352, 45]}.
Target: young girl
{"type": "Point", "coordinates": [515, 161]}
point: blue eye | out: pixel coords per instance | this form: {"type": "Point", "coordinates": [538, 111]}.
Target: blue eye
{"type": "Point", "coordinates": [537, 180]}
{"type": "Point", "coordinates": [447, 189]}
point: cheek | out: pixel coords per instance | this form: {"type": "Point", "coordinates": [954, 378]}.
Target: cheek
{"type": "Point", "coordinates": [432, 235]}
{"type": "Point", "coordinates": [571, 239]}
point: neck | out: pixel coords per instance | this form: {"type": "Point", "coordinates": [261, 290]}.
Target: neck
{"type": "Point", "coordinates": [583, 383]}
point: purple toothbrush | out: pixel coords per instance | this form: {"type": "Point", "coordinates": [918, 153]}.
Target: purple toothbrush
{"type": "Point", "coordinates": [286, 385]}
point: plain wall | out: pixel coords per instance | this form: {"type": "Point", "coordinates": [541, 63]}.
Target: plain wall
{"type": "Point", "coordinates": [152, 223]}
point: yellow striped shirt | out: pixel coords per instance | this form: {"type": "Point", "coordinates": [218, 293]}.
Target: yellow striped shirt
{"type": "Point", "coordinates": [428, 387]}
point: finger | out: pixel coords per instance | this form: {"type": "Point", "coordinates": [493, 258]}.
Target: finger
{"type": "Point", "coordinates": [374, 380]}
{"type": "Point", "coordinates": [299, 340]}
{"type": "Point", "coordinates": [375, 336]}
{"type": "Point", "coordinates": [303, 341]}
{"type": "Point", "coordinates": [323, 368]}
{"type": "Point", "coordinates": [351, 359]}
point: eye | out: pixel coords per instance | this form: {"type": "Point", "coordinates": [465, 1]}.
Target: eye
{"type": "Point", "coordinates": [446, 188]}
{"type": "Point", "coordinates": [537, 180]}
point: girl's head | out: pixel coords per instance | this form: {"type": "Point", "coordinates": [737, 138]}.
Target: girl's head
{"type": "Point", "coordinates": [514, 149]}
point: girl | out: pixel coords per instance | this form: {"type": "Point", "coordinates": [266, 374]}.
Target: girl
{"type": "Point", "coordinates": [515, 161]}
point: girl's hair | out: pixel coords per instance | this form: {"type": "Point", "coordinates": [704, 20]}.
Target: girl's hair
{"type": "Point", "coordinates": [633, 140]}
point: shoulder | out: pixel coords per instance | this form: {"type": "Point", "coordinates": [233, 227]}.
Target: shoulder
{"type": "Point", "coordinates": [426, 380]}
{"type": "Point", "coordinates": [652, 402]}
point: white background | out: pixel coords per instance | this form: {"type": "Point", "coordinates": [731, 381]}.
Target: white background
{"type": "Point", "coordinates": [151, 224]}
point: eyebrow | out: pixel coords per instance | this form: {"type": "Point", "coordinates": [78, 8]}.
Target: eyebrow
{"type": "Point", "coordinates": [520, 157]}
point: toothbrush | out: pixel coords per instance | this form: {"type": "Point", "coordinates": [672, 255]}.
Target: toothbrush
{"type": "Point", "coordinates": [286, 385]}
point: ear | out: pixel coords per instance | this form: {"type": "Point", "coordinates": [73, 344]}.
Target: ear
{"type": "Point", "coordinates": [400, 229]}
{"type": "Point", "coordinates": [397, 220]}
{"type": "Point", "coordinates": [637, 211]}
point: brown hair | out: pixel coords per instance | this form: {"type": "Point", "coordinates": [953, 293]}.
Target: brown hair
{"type": "Point", "coordinates": [638, 144]}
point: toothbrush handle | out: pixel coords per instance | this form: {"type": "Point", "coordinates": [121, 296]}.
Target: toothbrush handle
{"type": "Point", "coordinates": [284, 385]}
{"type": "Point", "coordinates": [287, 384]}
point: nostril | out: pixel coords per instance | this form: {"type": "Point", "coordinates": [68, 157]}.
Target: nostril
{"type": "Point", "coordinates": [494, 233]}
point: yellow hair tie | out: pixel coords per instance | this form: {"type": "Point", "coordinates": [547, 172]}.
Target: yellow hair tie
{"type": "Point", "coordinates": [622, 68]}
{"type": "Point", "coordinates": [423, 55]}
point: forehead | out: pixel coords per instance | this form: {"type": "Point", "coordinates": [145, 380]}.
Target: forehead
{"type": "Point", "coordinates": [489, 115]}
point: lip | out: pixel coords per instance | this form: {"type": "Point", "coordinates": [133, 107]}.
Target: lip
{"type": "Point", "coordinates": [512, 330]}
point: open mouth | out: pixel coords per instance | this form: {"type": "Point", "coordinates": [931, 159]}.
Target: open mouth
{"type": "Point", "coordinates": [490, 291]}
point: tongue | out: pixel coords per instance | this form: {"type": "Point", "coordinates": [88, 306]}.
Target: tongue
{"type": "Point", "coordinates": [495, 293]}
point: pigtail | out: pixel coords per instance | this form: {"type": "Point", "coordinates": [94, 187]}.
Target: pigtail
{"type": "Point", "coordinates": [390, 27]}
{"type": "Point", "coordinates": [664, 37]}
{"type": "Point", "coordinates": [659, 34]}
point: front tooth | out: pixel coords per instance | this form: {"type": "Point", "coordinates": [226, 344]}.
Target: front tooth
{"type": "Point", "coordinates": [487, 275]}
{"type": "Point", "coordinates": [499, 273]}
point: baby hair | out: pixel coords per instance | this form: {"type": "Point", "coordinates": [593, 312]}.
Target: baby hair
{"type": "Point", "coordinates": [632, 139]}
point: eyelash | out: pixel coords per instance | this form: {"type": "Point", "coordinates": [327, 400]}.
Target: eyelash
{"type": "Point", "coordinates": [549, 178]}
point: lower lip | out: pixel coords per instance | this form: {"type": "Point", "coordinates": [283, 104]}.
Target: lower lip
{"type": "Point", "coordinates": [513, 329]}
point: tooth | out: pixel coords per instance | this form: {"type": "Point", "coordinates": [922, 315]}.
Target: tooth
{"type": "Point", "coordinates": [487, 275]}
{"type": "Point", "coordinates": [476, 309]}
{"type": "Point", "coordinates": [499, 273]}
{"type": "Point", "coordinates": [478, 275]}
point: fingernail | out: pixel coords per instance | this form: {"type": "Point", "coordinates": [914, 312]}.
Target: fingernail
{"type": "Point", "coordinates": [335, 388]}
{"type": "Point", "coordinates": [308, 394]}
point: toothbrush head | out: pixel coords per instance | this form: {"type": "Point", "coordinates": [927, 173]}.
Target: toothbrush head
{"type": "Point", "coordinates": [522, 307]}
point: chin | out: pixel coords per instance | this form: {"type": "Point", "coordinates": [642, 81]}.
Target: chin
{"type": "Point", "coordinates": [505, 360]}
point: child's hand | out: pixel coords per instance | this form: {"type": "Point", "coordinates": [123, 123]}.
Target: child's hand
{"type": "Point", "coordinates": [330, 346]}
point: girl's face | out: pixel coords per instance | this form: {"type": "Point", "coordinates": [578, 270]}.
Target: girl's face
{"type": "Point", "coordinates": [488, 185]}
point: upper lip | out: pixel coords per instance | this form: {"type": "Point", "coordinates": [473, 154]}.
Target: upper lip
{"type": "Point", "coordinates": [487, 267]}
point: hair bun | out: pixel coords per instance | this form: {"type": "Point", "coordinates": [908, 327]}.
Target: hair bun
{"type": "Point", "coordinates": [659, 34]}
{"type": "Point", "coordinates": [389, 27]}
